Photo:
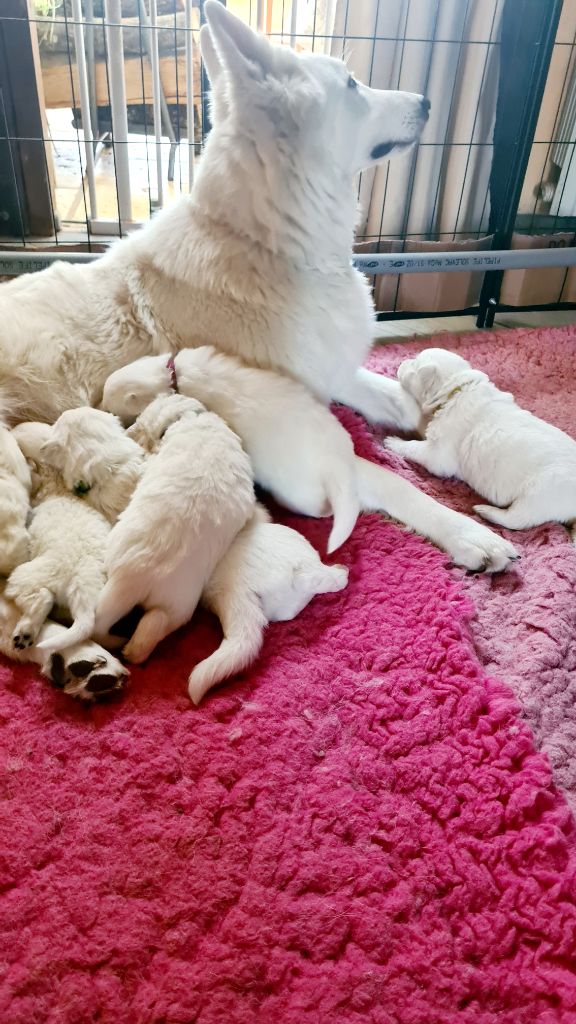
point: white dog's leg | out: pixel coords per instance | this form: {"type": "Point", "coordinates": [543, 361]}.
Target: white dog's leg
{"type": "Point", "coordinates": [523, 513]}
{"type": "Point", "coordinates": [436, 460]}
{"type": "Point", "coordinates": [152, 628]}
{"type": "Point", "coordinates": [380, 400]}
{"type": "Point", "coordinates": [468, 543]}
{"type": "Point", "coordinates": [35, 608]}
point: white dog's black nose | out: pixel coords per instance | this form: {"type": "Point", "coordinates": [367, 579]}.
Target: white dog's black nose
{"type": "Point", "coordinates": [425, 105]}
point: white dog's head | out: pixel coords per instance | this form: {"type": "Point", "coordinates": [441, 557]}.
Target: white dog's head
{"type": "Point", "coordinates": [159, 415]}
{"type": "Point", "coordinates": [130, 389]}
{"type": "Point", "coordinates": [433, 375]}
{"type": "Point", "coordinates": [96, 457]}
{"type": "Point", "coordinates": [306, 100]}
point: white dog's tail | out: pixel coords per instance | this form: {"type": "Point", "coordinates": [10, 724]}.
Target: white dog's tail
{"type": "Point", "coordinates": [343, 496]}
{"type": "Point", "coordinates": [243, 623]}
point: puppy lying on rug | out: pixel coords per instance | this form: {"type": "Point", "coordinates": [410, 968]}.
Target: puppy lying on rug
{"type": "Point", "coordinates": [269, 574]}
{"type": "Point", "coordinates": [14, 504]}
{"type": "Point", "coordinates": [194, 496]}
{"type": "Point", "coordinates": [67, 546]}
{"type": "Point", "coordinates": [525, 467]}
{"type": "Point", "coordinates": [298, 449]}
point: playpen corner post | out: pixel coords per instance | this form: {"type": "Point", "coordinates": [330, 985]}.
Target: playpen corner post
{"type": "Point", "coordinates": [526, 47]}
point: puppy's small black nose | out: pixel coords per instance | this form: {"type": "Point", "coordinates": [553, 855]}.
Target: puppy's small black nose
{"type": "Point", "coordinates": [425, 105]}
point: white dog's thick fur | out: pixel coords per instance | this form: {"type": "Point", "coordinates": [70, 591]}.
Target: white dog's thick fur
{"type": "Point", "coordinates": [96, 458]}
{"type": "Point", "coordinates": [194, 496]}
{"type": "Point", "coordinates": [67, 544]}
{"type": "Point", "coordinates": [14, 504]}
{"type": "Point", "coordinates": [269, 574]}
{"type": "Point", "coordinates": [524, 466]}
{"type": "Point", "coordinates": [298, 449]}
{"type": "Point", "coordinates": [256, 260]}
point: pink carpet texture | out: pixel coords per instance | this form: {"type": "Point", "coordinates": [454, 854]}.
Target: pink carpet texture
{"type": "Point", "coordinates": [360, 830]}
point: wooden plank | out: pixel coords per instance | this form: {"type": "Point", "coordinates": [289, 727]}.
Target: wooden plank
{"type": "Point", "coordinates": [59, 93]}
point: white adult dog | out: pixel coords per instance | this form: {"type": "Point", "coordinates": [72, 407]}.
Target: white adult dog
{"type": "Point", "coordinates": [194, 496]}
{"type": "Point", "coordinates": [269, 574]}
{"type": "Point", "coordinates": [298, 449]}
{"type": "Point", "coordinates": [524, 466]}
{"type": "Point", "coordinates": [14, 504]}
{"type": "Point", "coordinates": [256, 260]}
{"type": "Point", "coordinates": [67, 545]}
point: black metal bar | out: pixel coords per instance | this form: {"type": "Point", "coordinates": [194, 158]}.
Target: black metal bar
{"type": "Point", "coordinates": [527, 43]}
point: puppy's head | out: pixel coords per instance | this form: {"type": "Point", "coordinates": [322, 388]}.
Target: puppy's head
{"type": "Point", "coordinates": [130, 389]}
{"type": "Point", "coordinates": [161, 414]}
{"type": "Point", "coordinates": [433, 374]}
{"type": "Point", "coordinates": [87, 446]}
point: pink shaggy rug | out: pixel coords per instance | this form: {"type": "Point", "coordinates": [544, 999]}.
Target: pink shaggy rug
{"type": "Point", "coordinates": [525, 624]}
{"type": "Point", "coordinates": [359, 831]}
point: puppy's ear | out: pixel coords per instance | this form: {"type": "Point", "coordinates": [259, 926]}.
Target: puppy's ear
{"type": "Point", "coordinates": [51, 452]}
{"type": "Point", "coordinates": [428, 379]}
{"type": "Point", "coordinates": [241, 51]}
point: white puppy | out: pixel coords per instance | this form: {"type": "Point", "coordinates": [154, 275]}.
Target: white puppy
{"type": "Point", "coordinates": [298, 449]}
{"type": "Point", "coordinates": [67, 545]}
{"type": "Point", "coordinates": [269, 574]}
{"type": "Point", "coordinates": [193, 498]}
{"type": "Point", "coordinates": [14, 503]}
{"type": "Point", "coordinates": [525, 467]}
{"type": "Point", "coordinates": [96, 458]}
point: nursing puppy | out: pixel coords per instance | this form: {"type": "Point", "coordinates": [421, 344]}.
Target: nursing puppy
{"type": "Point", "coordinates": [96, 458]}
{"type": "Point", "coordinates": [298, 449]}
{"type": "Point", "coordinates": [67, 545]}
{"type": "Point", "coordinates": [194, 496]}
{"type": "Point", "coordinates": [14, 503]}
{"type": "Point", "coordinates": [269, 574]}
{"type": "Point", "coordinates": [525, 467]}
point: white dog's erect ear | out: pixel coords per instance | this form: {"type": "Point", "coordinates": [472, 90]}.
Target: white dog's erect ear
{"type": "Point", "coordinates": [238, 48]}
{"type": "Point", "coordinates": [209, 55]}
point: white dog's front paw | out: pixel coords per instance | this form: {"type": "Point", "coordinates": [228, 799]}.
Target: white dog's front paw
{"type": "Point", "coordinates": [396, 445]}
{"type": "Point", "coordinates": [474, 547]}
{"type": "Point", "coordinates": [86, 671]}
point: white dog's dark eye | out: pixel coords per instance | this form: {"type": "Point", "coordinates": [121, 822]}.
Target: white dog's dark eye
{"type": "Point", "coordinates": [352, 83]}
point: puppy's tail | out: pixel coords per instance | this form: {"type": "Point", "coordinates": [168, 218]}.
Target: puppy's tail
{"type": "Point", "coordinates": [81, 629]}
{"type": "Point", "coordinates": [572, 530]}
{"type": "Point", "coordinates": [343, 496]}
{"type": "Point", "coordinates": [243, 623]}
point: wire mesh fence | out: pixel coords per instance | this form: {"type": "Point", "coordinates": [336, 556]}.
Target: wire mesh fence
{"type": "Point", "coordinates": [103, 114]}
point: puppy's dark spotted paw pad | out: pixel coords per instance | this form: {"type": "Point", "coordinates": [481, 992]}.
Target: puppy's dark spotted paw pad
{"type": "Point", "coordinates": [82, 669]}
{"type": "Point", "coordinates": [88, 673]}
{"type": "Point", "coordinates": [22, 640]}
{"type": "Point", "coordinates": [57, 670]}
{"type": "Point", "coordinates": [102, 683]}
